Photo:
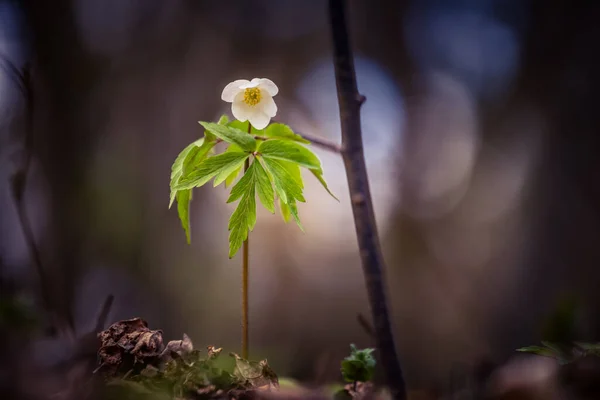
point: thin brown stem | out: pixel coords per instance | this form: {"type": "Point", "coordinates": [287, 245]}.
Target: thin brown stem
{"type": "Point", "coordinates": [245, 251]}
{"type": "Point", "coordinates": [350, 102]}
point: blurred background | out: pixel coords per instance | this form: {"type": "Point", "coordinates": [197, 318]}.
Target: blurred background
{"type": "Point", "coordinates": [480, 132]}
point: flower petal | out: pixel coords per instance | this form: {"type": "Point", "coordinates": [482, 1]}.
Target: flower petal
{"type": "Point", "coordinates": [240, 110]}
{"type": "Point", "coordinates": [232, 89]}
{"type": "Point", "coordinates": [268, 85]}
{"type": "Point", "coordinates": [259, 119]}
{"type": "Point", "coordinates": [267, 104]}
{"type": "Point", "coordinates": [254, 83]}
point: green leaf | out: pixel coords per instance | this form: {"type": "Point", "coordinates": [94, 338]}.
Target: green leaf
{"type": "Point", "coordinates": [222, 164]}
{"type": "Point", "coordinates": [231, 135]}
{"type": "Point", "coordinates": [255, 179]}
{"type": "Point", "coordinates": [224, 120]}
{"type": "Point", "coordinates": [359, 366]}
{"type": "Point", "coordinates": [286, 185]}
{"type": "Point", "coordinates": [232, 176]}
{"type": "Point", "coordinates": [264, 187]}
{"type": "Point", "coordinates": [552, 346]}
{"type": "Point", "coordinates": [548, 350]}
{"type": "Point", "coordinates": [539, 350]}
{"type": "Point", "coordinates": [294, 170]}
{"type": "Point", "coordinates": [595, 347]}
{"type": "Point", "coordinates": [292, 208]}
{"type": "Point", "coordinates": [190, 157]}
{"type": "Point", "coordinates": [243, 126]}
{"type": "Point", "coordinates": [225, 173]}
{"type": "Point", "coordinates": [318, 173]}
{"type": "Point", "coordinates": [234, 147]}
{"type": "Point", "coordinates": [561, 352]}
{"type": "Point", "coordinates": [243, 218]}
{"type": "Point", "coordinates": [186, 160]}
{"type": "Point", "coordinates": [285, 211]}
{"type": "Point", "coordinates": [282, 131]}
{"type": "Point", "coordinates": [177, 167]}
{"type": "Point", "coordinates": [294, 211]}
{"type": "Point", "coordinates": [183, 209]}
{"type": "Point", "coordinates": [289, 151]}
{"type": "Point", "coordinates": [244, 186]}
{"type": "Point", "coordinates": [295, 153]}
{"type": "Point", "coordinates": [196, 156]}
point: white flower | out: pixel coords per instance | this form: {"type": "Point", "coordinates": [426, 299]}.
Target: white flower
{"type": "Point", "coordinates": [252, 100]}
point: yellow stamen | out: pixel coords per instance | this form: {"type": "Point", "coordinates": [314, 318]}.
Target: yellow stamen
{"type": "Point", "coordinates": [252, 96]}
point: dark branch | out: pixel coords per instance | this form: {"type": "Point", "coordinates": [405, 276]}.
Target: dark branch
{"type": "Point", "coordinates": [362, 207]}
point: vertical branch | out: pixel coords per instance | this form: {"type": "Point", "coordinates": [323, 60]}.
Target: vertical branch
{"type": "Point", "coordinates": [350, 102]}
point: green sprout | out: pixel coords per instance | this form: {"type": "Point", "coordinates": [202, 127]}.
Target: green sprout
{"type": "Point", "coordinates": [359, 366]}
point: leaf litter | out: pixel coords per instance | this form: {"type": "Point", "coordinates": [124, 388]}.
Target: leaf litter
{"type": "Point", "coordinates": [135, 363]}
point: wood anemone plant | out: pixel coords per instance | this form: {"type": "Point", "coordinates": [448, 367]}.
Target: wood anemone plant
{"type": "Point", "coordinates": [265, 157]}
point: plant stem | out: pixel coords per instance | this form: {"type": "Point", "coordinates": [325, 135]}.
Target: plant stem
{"type": "Point", "coordinates": [350, 102]}
{"type": "Point", "coordinates": [245, 248]}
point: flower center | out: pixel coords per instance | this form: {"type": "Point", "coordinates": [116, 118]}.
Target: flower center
{"type": "Point", "coordinates": [252, 96]}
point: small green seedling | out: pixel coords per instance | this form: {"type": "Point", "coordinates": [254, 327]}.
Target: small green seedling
{"type": "Point", "coordinates": [359, 366]}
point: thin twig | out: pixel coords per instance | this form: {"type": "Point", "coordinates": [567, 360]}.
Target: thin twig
{"type": "Point", "coordinates": [350, 102]}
